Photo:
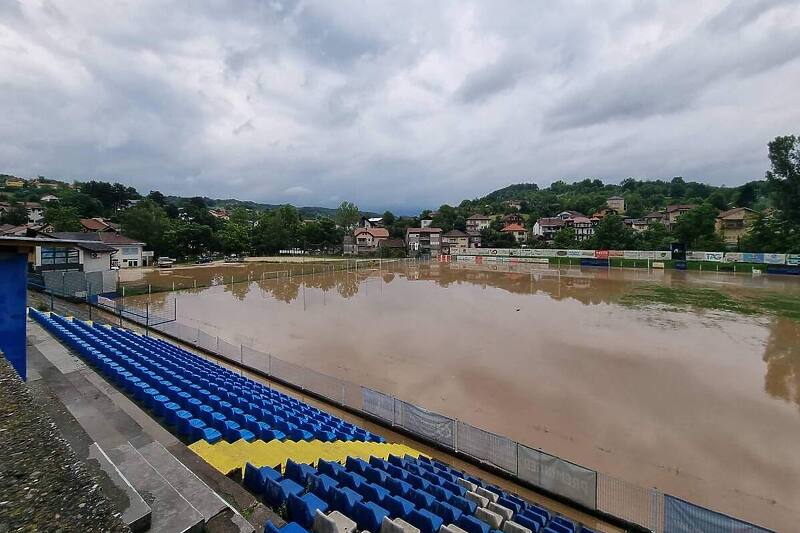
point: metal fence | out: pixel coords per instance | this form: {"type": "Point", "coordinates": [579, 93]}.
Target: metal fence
{"type": "Point", "coordinates": [647, 508]}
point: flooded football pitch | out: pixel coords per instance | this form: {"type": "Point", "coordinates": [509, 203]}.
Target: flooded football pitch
{"type": "Point", "coordinates": [700, 402]}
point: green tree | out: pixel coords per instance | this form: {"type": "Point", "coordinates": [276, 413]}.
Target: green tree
{"type": "Point", "coordinates": [234, 238]}
{"type": "Point", "coordinates": [388, 218]}
{"type": "Point", "coordinates": [611, 234]}
{"type": "Point", "coordinates": [186, 238]}
{"type": "Point", "coordinates": [63, 218]}
{"type": "Point", "coordinates": [84, 204]}
{"type": "Point", "coordinates": [634, 205]}
{"type": "Point", "coordinates": [565, 239]}
{"type": "Point", "coordinates": [655, 237]}
{"type": "Point", "coordinates": [347, 215]}
{"type": "Point", "coordinates": [147, 222]}
{"type": "Point", "coordinates": [697, 228]}
{"type": "Point", "coordinates": [746, 195]}
{"type": "Point", "coordinates": [784, 176]}
{"type": "Point", "coordinates": [277, 230]}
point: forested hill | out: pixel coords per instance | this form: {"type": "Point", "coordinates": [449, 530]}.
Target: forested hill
{"type": "Point", "coordinates": [641, 196]}
{"type": "Point", "coordinates": [230, 204]}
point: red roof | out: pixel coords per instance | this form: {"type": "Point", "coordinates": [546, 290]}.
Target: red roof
{"type": "Point", "coordinates": [513, 227]}
{"type": "Point", "coordinates": [115, 238]}
{"type": "Point", "coordinates": [377, 233]}
{"type": "Point", "coordinates": [92, 224]}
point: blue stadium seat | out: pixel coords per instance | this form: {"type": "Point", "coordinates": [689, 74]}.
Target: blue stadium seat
{"type": "Point", "coordinates": [369, 515]}
{"type": "Point", "coordinates": [425, 521]}
{"type": "Point", "coordinates": [303, 508]}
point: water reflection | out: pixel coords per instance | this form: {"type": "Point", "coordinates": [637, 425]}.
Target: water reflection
{"type": "Point", "coordinates": [782, 355]}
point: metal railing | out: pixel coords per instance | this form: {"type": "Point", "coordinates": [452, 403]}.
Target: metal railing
{"type": "Point", "coordinates": [589, 489]}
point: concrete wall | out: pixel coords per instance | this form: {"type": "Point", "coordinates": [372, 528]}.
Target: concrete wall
{"type": "Point", "coordinates": [13, 281]}
{"type": "Point", "coordinates": [95, 264]}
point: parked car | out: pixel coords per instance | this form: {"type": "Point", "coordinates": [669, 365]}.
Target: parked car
{"type": "Point", "coordinates": [165, 262]}
{"type": "Point", "coordinates": [204, 260]}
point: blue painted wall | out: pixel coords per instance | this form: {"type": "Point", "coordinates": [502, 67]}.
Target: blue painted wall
{"type": "Point", "coordinates": [13, 278]}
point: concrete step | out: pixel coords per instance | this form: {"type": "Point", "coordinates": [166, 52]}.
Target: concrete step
{"type": "Point", "coordinates": [170, 511]}
{"type": "Point", "coordinates": [192, 488]}
{"type": "Point", "coordinates": [135, 511]}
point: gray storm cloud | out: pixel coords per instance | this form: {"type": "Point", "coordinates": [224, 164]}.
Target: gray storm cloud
{"type": "Point", "coordinates": [402, 105]}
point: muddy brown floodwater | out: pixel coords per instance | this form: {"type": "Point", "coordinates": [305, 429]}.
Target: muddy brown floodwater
{"type": "Point", "coordinates": [700, 404]}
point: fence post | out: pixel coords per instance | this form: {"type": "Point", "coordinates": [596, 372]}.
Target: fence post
{"type": "Point", "coordinates": [149, 289]}
{"type": "Point", "coordinates": [147, 319]}
{"type": "Point", "coordinates": [241, 358]}
{"type": "Point", "coordinates": [217, 344]}
{"type": "Point", "coordinates": [89, 297]}
{"type": "Point", "coordinates": [173, 286]}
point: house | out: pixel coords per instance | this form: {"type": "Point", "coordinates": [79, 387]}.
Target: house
{"type": "Point", "coordinates": [10, 230]}
{"type": "Point", "coordinates": [519, 232]}
{"type": "Point", "coordinates": [127, 252]}
{"type": "Point", "coordinates": [16, 183]}
{"type": "Point", "coordinates": [617, 203]}
{"type": "Point", "coordinates": [636, 224]}
{"type": "Point", "coordinates": [567, 215]}
{"type": "Point", "coordinates": [513, 218]}
{"type": "Point", "coordinates": [96, 225]}
{"type": "Point", "coordinates": [735, 223]}
{"type": "Point", "coordinates": [35, 212]}
{"type": "Point", "coordinates": [425, 223]}
{"type": "Point", "coordinates": [43, 183]}
{"type": "Point", "coordinates": [424, 241]}
{"type": "Point", "coordinates": [672, 213]}
{"type": "Point", "coordinates": [367, 239]}
{"type": "Point", "coordinates": [49, 198]}
{"type": "Point", "coordinates": [454, 239]}
{"type": "Point", "coordinates": [584, 227]}
{"type": "Point", "coordinates": [655, 216]}
{"type": "Point", "coordinates": [474, 238]}
{"type": "Point", "coordinates": [478, 222]}
{"type": "Point", "coordinates": [220, 214]}
{"type": "Point", "coordinates": [373, 222]}
{"type": "Point", "coordinates": [547, 227]}
{"type": "Point", "coordinates": [393, 247]}
{"type": "Point", "coordinates": [513, 204]}
{"type": "Point", "coordinates": [600, 214]}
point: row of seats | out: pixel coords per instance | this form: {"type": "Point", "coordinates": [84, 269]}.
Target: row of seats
{"type": "Point", "coordinates": [201, 399]}
{"type": "Point", "coordinates": [398, 495]}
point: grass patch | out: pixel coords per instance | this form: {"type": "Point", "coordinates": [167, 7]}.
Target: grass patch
{"type": "Point", "coordinates": [787, 306]}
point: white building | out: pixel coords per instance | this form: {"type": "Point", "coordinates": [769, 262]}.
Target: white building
{"type": "Point", "coordinates": [478, 222]}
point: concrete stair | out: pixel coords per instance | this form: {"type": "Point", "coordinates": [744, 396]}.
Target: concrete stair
{"type": "Point", "coordinates": [230, 458]}
{"type": "Point", "coordinates": [194, 490]}
{"type": "Point", "coordinates": [136, 514]}
{"type": "Point", "coordinates": [171, 512]}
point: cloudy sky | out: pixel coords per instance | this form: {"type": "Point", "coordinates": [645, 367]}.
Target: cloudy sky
{"type": "Point", "coordinates": [395, 105]}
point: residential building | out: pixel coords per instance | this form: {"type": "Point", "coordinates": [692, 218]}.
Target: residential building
{"type": "Point", "coordinates": [735, 223]}
{"type": "Point", "coordinates": [49, 198]}
{"type": "Point", "coordinates": [513, 204]}
{"type": "Point", "coordinates": [16, 183]}
{"type": "Point", "coordinates": [425, 223]}
{"type": "Point", "coordinates": [35, 212]}
{"type": "Point", "coordinates": [519, 232]}
{"type": "Point", "coordinates": [513, 218]}
{"type": "Point", "coordinates": [617, 203]}
{"type": "Point", "coordinates": [584, 227]}
{"type": "Point", "coordinates": [474, 238]}
{"type": "Point", "coordinates": [672, 213]}
{"type": "Point", "coordinates": [600, 214]}
{"type": "Point", "coordinates": [96, 225]}
{"type": "Point", "coordinates": [367, 239]}
{"type": "Point", "coordinates": [220, 214]}
{"type": "Point", "coordinates": [424, 241]}
{"type": "Point", "coordinates": [567, 215]}
{"type": "Point", "coordinates": [655, 216]}
{"type": "Point", "coordinates": [546, 228]}
{"type": "Point", "coordinates": [454, 239]}
{"type": "Point", "coordinates": [478, 222]}
{"type": "Point", "coordinates": [636, 224]}
{"type": "Point", "coordinates": [396, 247]}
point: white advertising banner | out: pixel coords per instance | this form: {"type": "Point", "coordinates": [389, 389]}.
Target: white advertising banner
{"type": "Point", "coordinates": [630, 254]}
{"type": "Point", "coordinates": [775, 259]}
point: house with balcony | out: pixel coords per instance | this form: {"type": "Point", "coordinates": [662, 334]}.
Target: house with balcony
{"type": "Point", "coordinates": [454, 239]}
{"type": "Point", "coordinates": [478, 222]}
{"type": "Point", "coordinates": [735, 223]}
{"type": "Point", "coordinates": [424, 241]}
{"type": "Point", "coordinates": [672, 212]}
{"type": "Point", "coordinates": [584, 227]}
{"type": "Point", "coordinates": [546, 227]}
{"type": "Point", "coordinates": [368, 239]}
{"type": "Point", "coordinates": [518, 231]}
